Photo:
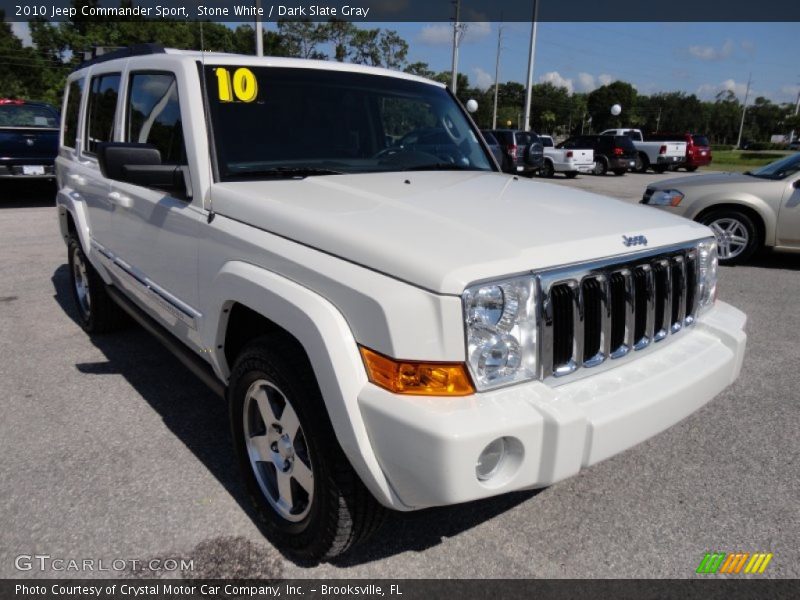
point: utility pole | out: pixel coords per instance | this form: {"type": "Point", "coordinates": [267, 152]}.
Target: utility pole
{"type": "Point", "coordinates": [531, 56]}
{"type": "Point", "coordinates": [259, 31]}
{"type": "Point", "coordinates": [796, 110]}
{"type": "Point", "coordinates": [458, 32]}
{"type": "Point", "coordinates": [497, 75]}
{"type": "Point", "coordinates": [744, 111]}
{"type": "Point", "coordinates": [658, 119]}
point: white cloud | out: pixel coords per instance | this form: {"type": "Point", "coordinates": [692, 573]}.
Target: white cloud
{"type": "Point", "coordinates": [605, 79]}
{"type": "Point", "coordinates": [22, 31]}
{"type": "Point", "coordinates": [442, 34]}
{"type": "Point", "coordinates": [557, 80]}
{"type": "Point", "coordinates": [483, 79]}
{"type": "Point", "coordinates": [709, 90]}
{"type": "Point", "coordinates": [712, 53]}
{"type": "Point", "coordinates": [749, 47]}
{"type": "Point", "coordinates": [585, 83]}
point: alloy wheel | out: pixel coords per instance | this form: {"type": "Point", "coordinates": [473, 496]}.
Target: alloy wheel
{"type": "Point", "coordinates": [732, 237]}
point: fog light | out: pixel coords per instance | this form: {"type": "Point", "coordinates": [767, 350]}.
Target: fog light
{"type": "Point", "coordinates": [491, 459]}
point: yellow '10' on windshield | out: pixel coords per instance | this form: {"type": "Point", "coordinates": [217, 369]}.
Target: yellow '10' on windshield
{"type": "Point", "coordinates": [242, 86]}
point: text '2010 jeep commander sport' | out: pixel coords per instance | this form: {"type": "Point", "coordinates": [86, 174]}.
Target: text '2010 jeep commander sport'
{"type": "Point", "coordinates": [395, 323]}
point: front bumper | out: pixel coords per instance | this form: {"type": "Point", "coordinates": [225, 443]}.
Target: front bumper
{"type": "Point", "coordinates": [428, 447]}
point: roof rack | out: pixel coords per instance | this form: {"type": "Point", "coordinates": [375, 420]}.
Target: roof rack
{"type": "Point", "coordinates": [99, 56]}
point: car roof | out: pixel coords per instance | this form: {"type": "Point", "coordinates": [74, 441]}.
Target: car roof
{"type": "Point", "coordinates": [154, 54]}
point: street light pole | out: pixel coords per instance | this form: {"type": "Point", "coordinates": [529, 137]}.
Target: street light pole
{"type": "Point", "coordinates": [456, 41]}
{"type": "Point", "coordinates": [497, 75]}
{"type": "Point", "coordinates": [531, 56]}
{"type": "Point", "coordinates": [796, 110]}
{"type": "Point", "coordinates": [744, 111]}
{"type": "Point", "coordinates": [259, 31]}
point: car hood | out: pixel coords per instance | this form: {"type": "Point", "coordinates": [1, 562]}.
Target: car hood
{"type": "Point", "coordinates": [705, 180]}
{"type": "Point", "coordinates": [444, 230]}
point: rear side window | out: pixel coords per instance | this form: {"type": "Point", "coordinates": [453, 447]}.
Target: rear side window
{"type": "Point", "coordinates": [524, 138]}
{"type": "Point", "coordinates": [73, 112]}
{"type": "Point", "coordinates": [546, 142]}
{"type": "Point", "coordinates": [102, 108]}
{"type": "Point", "coordinates": [154, 115]}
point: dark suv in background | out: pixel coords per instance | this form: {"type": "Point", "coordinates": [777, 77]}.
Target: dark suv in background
{"type": "Point", "coordinates": [698, 148]}
{"type": "Point", "coordinates": [614, 153]}
{"type": "Point", "coordinates": [28, 139]}
{"type": "Point", "coordinates": [523, 152]}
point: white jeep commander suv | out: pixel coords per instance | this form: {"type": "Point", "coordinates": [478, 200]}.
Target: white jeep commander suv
{"type": "Point", "coordinates": [394, 322]}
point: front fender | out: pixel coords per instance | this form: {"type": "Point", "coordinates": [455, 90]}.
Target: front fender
{"type": "Point", "coordinates": [327, 339]}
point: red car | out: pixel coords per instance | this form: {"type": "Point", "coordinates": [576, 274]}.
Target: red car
{"type": "Point", "coordinates": [698, 150]}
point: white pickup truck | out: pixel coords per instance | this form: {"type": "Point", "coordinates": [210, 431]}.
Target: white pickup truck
{"type": "Point", "coordinates": [658, 156]}
{"type": "Point", "coordinates": [560, 160]}
{"type": "Point", "coordinates": [392, 325]}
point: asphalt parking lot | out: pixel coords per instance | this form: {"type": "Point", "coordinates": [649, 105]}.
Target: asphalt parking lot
{"type": "Point", "coordinates": [110, 449]}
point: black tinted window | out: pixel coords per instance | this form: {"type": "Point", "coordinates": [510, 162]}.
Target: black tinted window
{"type": "Point", "coordinates": [700, 140]}
{"type": "Point", "coordinates": [102, 108]}
{"type": "Point", "coordinates": [524, 138]}
{"type": "Point", "coordinates": [624, 142]}
{"type": "Point", "coordinates": [73, 112]}
{"type": "Point", "coordinates": [489, 137]}
{"type": "Point", "coordinates": [154, 115]}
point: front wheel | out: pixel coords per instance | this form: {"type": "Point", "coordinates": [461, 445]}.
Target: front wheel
{"type": "Point", "coordinates": [738, 238]}
{"type": "Point", "coordinates": [547, 169]}
{"type": "Point", "coordinates": [310, 502]}
{"type": "Point", "coordinates": [97, 312]}
{"type": "Point", "coordinates": [642, 163]}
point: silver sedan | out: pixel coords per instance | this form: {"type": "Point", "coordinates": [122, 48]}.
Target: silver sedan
{"type": "Point", "coordinates": [746, 211]}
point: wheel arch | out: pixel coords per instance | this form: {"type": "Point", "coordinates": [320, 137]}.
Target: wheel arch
{"type": "Point", "coordinates": [258, 302]}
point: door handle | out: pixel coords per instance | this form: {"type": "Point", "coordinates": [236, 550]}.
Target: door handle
{"type": "Point", "coordinates": [78, 179]}
{"type": "Point", "coordinates": [120, 200]}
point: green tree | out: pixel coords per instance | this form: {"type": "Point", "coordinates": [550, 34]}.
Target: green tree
{"type": "Point", "coordinates": [600, 101]}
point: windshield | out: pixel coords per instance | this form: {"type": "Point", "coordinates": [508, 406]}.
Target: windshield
{"type": "Point", "coordinates": [780, 169]}
{"type": "Point", "coordinates": [302, 122]}
{"type": "Point", "coordinates": [28, 115]}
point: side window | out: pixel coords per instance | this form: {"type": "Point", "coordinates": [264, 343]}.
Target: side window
{"type": "Point", "coordinates": [154, 115]}
{"type": "Point", "coordinates": [102, 108]}
{"type": "Point", "coordinates": [72, 113]}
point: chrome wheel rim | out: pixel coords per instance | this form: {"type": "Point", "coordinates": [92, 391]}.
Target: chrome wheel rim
{"type": "Point", "coordinates": [80, 280]}
{"type": "Point", "coordinates": [732, 237]}
{"type": "Point", "coordinates": [277, 449]}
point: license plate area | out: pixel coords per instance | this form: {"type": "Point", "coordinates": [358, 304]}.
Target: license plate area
{"type": "Point", "coordinates": [33, 169]}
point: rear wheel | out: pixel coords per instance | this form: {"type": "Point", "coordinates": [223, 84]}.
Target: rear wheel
{"type": "Point", "coordinates": [310, 502]}
{"type": "Point", "coordinates": [601, 166]}
{"type": "Point", "coordinates": [547, 169]}
{"type": "Point", "coordinates": [738, 238]}
{"type": "Point", "coordinates": [97, 312]}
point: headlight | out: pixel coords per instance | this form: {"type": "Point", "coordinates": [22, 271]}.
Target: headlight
{"type": "Point", "coordinates": [706, 275]}
{"type": "Point", "coordinates": [665, 198]}
{"type": "Point", "coordinates": [500, 319]}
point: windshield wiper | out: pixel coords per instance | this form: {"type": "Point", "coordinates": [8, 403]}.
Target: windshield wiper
{"type": "Point", "coordinates": [286, 172]}
{"type": "Point", "coordinates": [442, 166]}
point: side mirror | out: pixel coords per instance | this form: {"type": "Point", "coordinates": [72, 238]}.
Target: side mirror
{"type": "Point", "coordinates": [140, 164]}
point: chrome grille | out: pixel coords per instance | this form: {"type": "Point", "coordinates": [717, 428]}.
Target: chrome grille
{"type": "Point", "coordinates": [596, 314]}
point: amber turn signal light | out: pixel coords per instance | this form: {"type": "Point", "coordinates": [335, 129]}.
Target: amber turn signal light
{"type": "Point", "coordinates": [417, 378]}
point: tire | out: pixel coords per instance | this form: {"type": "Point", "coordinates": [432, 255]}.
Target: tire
{"type": "Point", "coordinates": [97, 312]}
{"type": "Point", "coordinates": [548, 170]}
{"type": "Point", "coordinates": [601, 166]}
{"type": "Point", "coordinates": [642, 163]}
{"type": "Point", "coordinates": [659, 169]}
{"type": "Point", "coordinates": [328, 509]}
{"type": "Point", "coordinates": [691, 169]}
{"type": "Point", "coordinates": [620, 172]}
{"type": "Point", "coordinates": [738, 238]}
{"type": "Point", "coordinates": [571, 174]}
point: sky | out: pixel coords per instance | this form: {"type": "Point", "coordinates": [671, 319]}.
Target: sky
{"type": "Point", "coordinates": [696, 58]}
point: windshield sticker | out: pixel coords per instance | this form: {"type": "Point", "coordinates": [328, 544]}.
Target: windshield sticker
{"type": "Point", "coordinates": [242, 87]}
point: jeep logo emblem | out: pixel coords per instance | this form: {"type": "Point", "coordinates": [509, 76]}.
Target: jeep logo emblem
{"type": "Point", "coordinates": [634, 240]}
